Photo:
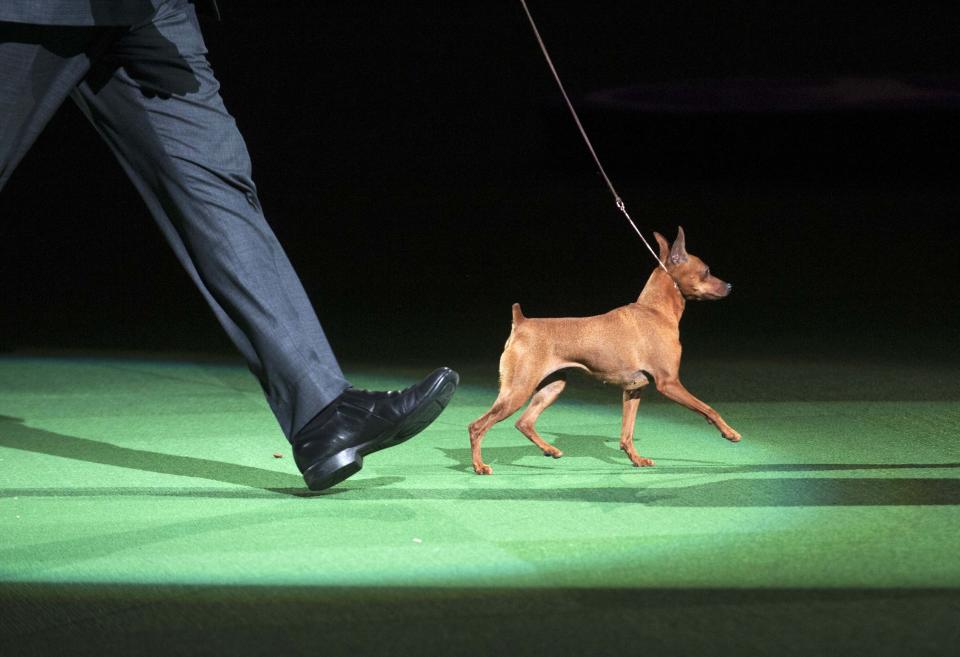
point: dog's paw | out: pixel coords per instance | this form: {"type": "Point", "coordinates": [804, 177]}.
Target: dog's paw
{"type": "Point", "coordinates": [554, 452]}
{"type": "Point", "coordinates": [482, 469]}
{"type": "Point", "coordinates": [733, 437]}
{"type": "Point", "coordinates": [637, 460]}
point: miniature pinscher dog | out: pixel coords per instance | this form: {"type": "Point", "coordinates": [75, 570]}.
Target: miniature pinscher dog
{"type": "Point", "coordinates": [627, 347]}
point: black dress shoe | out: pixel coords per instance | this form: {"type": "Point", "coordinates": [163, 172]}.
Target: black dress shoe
{"type": "Point", "coordinates": [331, 446]}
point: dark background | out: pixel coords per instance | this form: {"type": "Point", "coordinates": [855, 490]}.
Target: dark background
{"type": "Point", "coordinates": [416, 162]}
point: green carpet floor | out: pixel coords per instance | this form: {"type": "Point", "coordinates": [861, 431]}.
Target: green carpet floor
{"type": "Point", "coordinates": [141, 502]}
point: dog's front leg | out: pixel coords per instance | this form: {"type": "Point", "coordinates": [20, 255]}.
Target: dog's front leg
{"type": "Point", "coordinates": [631, 403]}
{"type": "Point", "coordinates": [675, 391]}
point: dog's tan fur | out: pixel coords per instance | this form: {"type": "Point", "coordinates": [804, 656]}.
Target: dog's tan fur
{"type": "Point", "coordinates": [624, 347]}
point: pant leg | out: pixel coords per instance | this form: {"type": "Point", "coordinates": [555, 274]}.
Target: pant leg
{"type": "Point", "coordinates": [154, 99]}
{"type": "Point", "coordinates": [39, 66]}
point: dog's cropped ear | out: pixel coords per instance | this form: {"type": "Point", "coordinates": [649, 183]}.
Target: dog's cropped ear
{"type": "Point", "coordinates": [664, 247]}
{"type": "Point", "coordinates": [678, 252]}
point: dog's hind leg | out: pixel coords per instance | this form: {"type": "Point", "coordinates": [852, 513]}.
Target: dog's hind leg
{"type": "Point", "coordinates": [505, 406]}
{"type": "Point", "coordinates": [516, 386]}
{"type": "Point", "coordinates": [550, 389]}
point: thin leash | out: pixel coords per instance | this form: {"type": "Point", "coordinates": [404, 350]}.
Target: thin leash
{"type": "Point", "coordinates": [616, 197]}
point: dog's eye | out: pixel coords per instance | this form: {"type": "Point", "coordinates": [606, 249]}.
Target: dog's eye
{"type": "Point", "coordinates": [706, 272]}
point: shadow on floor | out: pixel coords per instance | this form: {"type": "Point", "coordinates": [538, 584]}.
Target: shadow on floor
{"type": "Point", "coordinates": [108, 619]}
{"type": "Point", "coordinates": [730, 492]}
{"type": "Point", "coordinates": [15, 434]}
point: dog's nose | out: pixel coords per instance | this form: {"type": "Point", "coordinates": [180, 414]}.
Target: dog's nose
{"type": "Point", "coordinates": [729, 288]}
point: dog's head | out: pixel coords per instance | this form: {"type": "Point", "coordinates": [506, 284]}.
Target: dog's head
{"type": "Point", "coordinates": [689, 272]}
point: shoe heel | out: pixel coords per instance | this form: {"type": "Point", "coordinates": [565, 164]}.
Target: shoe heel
{"type": "Point", "coordinates": [332, 471]}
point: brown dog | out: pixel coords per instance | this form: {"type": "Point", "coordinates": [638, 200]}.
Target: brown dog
{"type": "Point", "coordinates": [626, 346]}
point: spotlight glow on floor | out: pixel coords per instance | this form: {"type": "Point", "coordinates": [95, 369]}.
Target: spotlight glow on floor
{"type": "Point", "coordinates": [153, 472]}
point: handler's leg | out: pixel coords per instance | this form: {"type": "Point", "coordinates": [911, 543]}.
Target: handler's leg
{"type": "Point", "coordinates": [154, 99]}
{"type": "Point", "coordinates": [39, 66]}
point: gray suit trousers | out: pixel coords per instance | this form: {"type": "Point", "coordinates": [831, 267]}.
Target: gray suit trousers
{"type": "Point", "coordinates": [151, 94]}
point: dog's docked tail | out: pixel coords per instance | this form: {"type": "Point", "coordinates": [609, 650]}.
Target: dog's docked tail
{"type": "Point", "coordinates": [517, 318]}
{"type": "Point", "coordinates": [517, 314]}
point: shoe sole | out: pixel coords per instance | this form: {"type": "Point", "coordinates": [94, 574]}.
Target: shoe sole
{"type": "Point", "coordinates": [343, 464]}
